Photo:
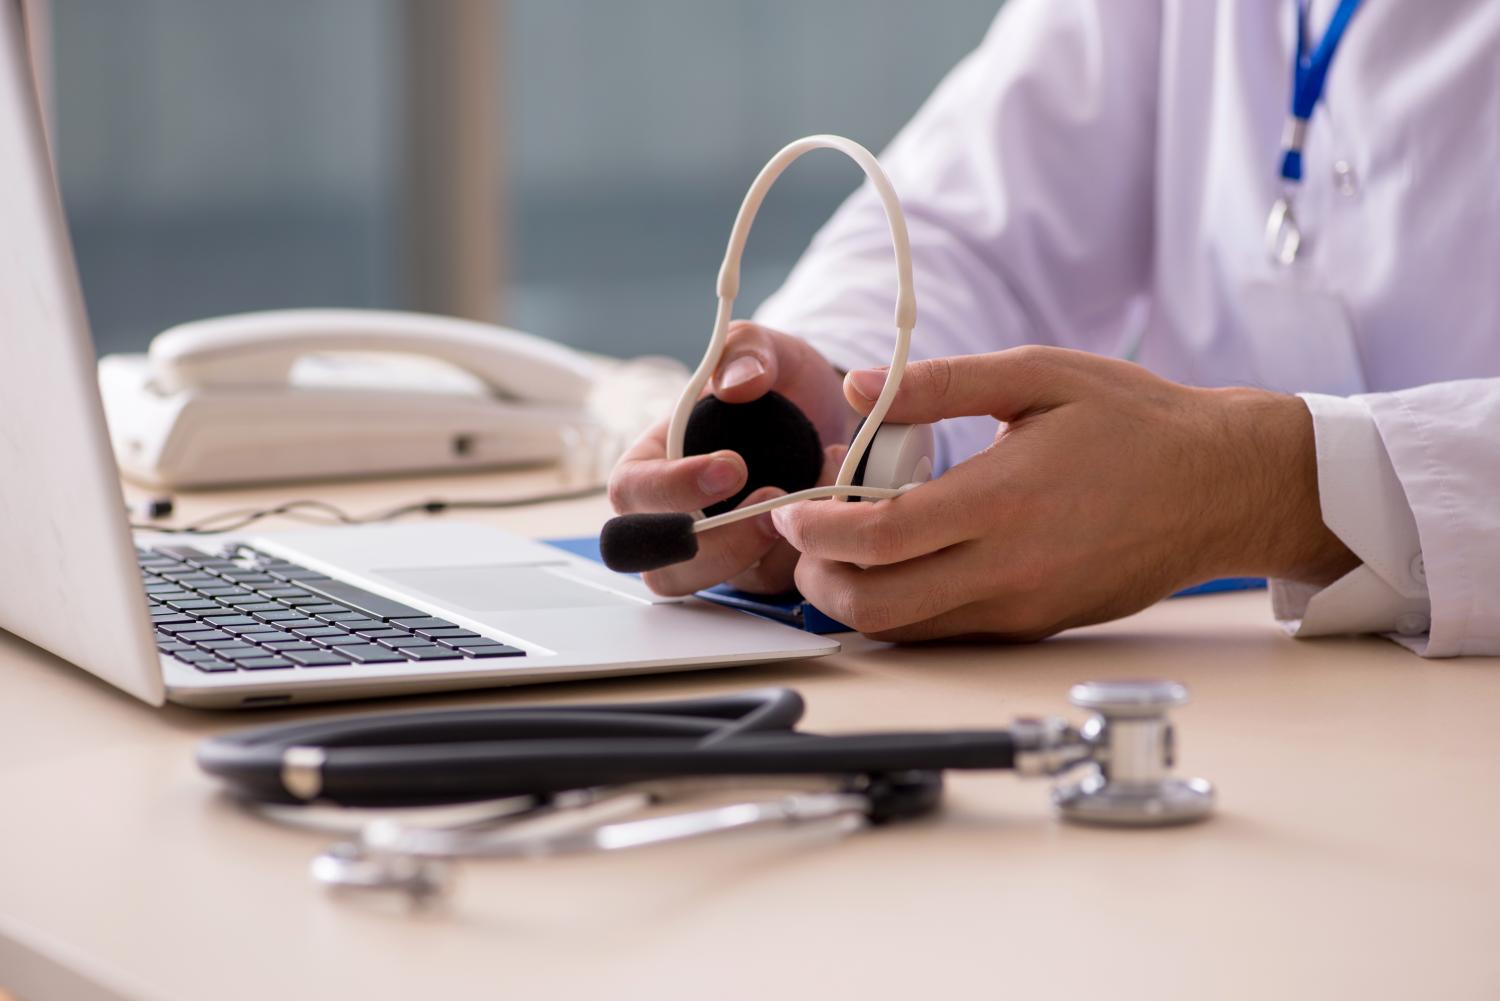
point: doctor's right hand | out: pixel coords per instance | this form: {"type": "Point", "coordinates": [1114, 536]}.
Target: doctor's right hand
{"type": "Point", "coordinates": [749, 555]}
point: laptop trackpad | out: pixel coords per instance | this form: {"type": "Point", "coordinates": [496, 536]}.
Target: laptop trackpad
{"type": "Point", "coordinates": [501, 588]}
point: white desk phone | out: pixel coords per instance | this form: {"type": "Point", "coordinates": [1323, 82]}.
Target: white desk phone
{"type": "Point", "coordinates": [317, 393]}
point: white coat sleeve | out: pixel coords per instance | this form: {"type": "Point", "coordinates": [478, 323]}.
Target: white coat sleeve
{"type": "Point", "coordinates": [1410, 482]}
{"type": "Point", "coordinates": [1026, 179]}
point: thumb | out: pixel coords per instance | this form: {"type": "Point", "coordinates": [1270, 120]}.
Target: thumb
{"type": "Point", "coordinates": [1001, 384]}
{"type": "Point", "coordinates": [750, 366]}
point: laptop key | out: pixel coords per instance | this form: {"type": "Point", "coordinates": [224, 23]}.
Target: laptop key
{"type": "Point", "coordinates": [247, 577]}
{"type": "Point", "coordinates": [342, 617]}
{"type": "Point", "coordinates": [290, 646]}
{"type": "Point", "coordinates": [280, 616]}
{"type": "Point", "coordinates": [369, 653]}
{"type": "Point", "coordinates": [299, 623]}
{"type": "Point", "coordinates": [234, 650]}
{"type": "Point", "coordinates": [275, 636]}
{"type": "Point", "coordinates": [359, 599]}
{"type": "Point", "coordinates": [183, 606]}
{"type": "Point", "coordinates": [491, 650]}
{"type": "Point", "coordinates": [362, 623]}
{"type": "Point", "coordinates": [381, 634]}
{"type": "Point", "coordinates": [449, 633]}
{"type": "Point", "coordinates": [317, 631]}
{"type": "Point", "coordinates": [188, 554]}
{"type": "Point", "coordinates": [284, 592]}
{"type": "Point", "coordinates": [173, 628]}
{"type": "Point", "coordinates": [264, 663]}
{"type": "Point", "coordinates": [252, 628]}
{"type": "Point", "coordinates": [193, 580]}
{"type": "Point", "coordinates": [317, 658]}
{"type": "Point", "coordinates": [424, 622]}
{"type": "Point", "coordinates": [203, 636]}
{"type": "Point", "coordinates": [402, 641]}
{"type": "Point", "coordinates": [214, 666]}
{"type": "Point", "coordinates": [300, 574]}
{"type": "Point", "coordinates": [220, 621]}
{"type": "Point", "coordinates": [223, 591]}
{"type": "Point", "coordinates": [262, 605]}
{"type": "Point", "coordinates": [430, 653]}
{"type": "Point", "coordinates": [194, 656]}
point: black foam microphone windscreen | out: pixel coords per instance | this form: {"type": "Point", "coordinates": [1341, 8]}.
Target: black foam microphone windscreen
{"type": "Point", "coordinates": [633, 543]}
{"type": "Point", "coordinates": [780, 446]}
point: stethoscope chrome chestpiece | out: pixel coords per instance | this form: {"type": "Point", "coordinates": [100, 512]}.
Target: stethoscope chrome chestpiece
{"type": "Point", "coordinates": [1130, 744]}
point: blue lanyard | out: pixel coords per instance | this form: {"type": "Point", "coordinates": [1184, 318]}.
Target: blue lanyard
{"type": "Point", "coordinates": [1309, 71]}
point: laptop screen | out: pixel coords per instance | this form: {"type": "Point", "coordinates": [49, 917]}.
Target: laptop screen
{"type": "Point", "coordinates": [70, 583]}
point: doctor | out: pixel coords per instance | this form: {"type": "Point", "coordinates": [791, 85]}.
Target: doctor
{"type": "Point", "coordinates": [1157, 197]}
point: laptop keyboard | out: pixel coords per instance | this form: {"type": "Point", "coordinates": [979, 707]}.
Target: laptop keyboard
{"type": "Point", "coordinates": [241, 610]}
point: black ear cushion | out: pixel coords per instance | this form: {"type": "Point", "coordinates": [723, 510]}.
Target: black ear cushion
{"type": "Point", "coordinates": [779, 444]}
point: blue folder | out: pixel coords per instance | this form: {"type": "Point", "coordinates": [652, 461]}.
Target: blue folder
{"type": "Point", "coordinates": [794, 610]}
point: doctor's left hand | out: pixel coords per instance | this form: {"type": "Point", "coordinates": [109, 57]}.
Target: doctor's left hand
{"type": "Point", "coordinates": [1106, 489]}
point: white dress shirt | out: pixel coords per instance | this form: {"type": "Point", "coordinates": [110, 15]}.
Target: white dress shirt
{"type": "Point", "coordinates": [1097, 175]}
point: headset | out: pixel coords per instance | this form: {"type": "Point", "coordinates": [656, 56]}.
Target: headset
{"type": "Point", "coordinates": [778, 442]}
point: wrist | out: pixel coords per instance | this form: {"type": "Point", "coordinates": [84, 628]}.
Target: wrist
{"type": "Point", "coordinates": [1278, 529]}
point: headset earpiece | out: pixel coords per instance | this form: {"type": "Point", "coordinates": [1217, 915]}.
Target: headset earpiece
{"type": "Point", "coordinates": [899, 454]}
{"type": "Point", "coordinates": [780, 446]}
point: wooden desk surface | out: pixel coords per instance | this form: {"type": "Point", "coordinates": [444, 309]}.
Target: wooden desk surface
{"type": "Point", "coordinates": [1355, 854]}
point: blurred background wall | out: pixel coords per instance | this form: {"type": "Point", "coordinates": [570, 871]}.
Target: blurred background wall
{"type": "Point", "coordinates": [221, 155]}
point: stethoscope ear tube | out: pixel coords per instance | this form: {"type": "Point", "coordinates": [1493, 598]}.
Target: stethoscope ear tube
{"type": "Point", "coordinates": [457, 756]}
{"type": "Point", "coordinates": [253, 763]}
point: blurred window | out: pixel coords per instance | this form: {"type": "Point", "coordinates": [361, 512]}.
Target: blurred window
{"type": "Point", "coordinates": [219, 156]}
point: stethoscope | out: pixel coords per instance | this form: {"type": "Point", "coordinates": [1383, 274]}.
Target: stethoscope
{"type": "Point", "coordinates": [411, 791]}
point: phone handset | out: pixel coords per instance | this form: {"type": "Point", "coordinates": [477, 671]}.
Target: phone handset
{"type": "Point", "coordinates": [259, 350]}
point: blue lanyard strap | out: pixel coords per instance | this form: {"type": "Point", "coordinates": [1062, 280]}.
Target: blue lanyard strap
{"type": "Point", "coordinates": [1309, 71]}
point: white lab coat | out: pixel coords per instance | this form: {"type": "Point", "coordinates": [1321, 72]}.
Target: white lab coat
{"type": "Point", "coordinates": [1098, 175]}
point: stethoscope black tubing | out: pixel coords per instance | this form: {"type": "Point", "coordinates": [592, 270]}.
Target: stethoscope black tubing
{"type": "Point", "coordinates": [453, 756]}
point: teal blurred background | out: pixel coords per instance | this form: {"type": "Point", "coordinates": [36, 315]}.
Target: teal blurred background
{"type": "Point", "coordinates": [219, 156]}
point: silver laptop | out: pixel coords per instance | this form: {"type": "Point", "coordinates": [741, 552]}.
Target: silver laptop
{"type": "Point", "coordinates": [299, 616]}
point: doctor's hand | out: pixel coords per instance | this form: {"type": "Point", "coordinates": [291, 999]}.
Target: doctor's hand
{"type": "Point", "coordinates": [1106, 489]}
{"type": "Point", "coordinates": [748, 554]}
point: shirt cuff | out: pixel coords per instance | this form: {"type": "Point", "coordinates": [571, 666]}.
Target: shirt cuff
{"type": "Point", "coordinates": [1364, 504]}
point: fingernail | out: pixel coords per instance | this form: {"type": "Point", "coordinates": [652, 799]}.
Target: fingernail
{"type": "Point", "coordinates": [720, 477]}
{"type": "Point", "coordinates": [781, 516]}
{"type": "Point", "coordinates": [868, 382]}
{"type": "Point", "coordinates": [740, 371]}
